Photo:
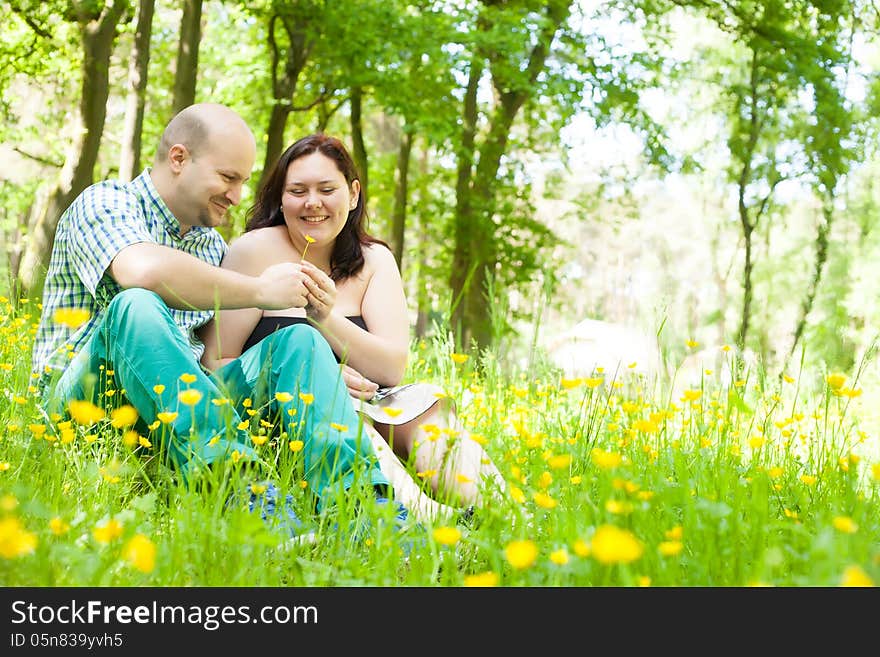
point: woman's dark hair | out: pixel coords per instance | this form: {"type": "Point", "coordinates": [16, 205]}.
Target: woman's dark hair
{"type": "Point", "coordinates": [347, 258]}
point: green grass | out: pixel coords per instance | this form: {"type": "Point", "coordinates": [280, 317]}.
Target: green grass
{"type": "Point", "coordinates": [742, 483]}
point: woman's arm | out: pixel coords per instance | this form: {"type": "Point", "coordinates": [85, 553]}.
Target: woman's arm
{"type": "Point", "coordinates": [379, 354]}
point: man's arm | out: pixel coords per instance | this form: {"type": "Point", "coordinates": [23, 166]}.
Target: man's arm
{"type": "Point", "coordinates": [185, 282]}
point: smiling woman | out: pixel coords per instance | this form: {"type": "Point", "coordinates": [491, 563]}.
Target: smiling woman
{"type": "Point", "coordinates": [312, 203]}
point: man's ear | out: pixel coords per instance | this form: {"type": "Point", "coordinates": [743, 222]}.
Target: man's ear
{"type": "Point", "coordinates": [177, 156]}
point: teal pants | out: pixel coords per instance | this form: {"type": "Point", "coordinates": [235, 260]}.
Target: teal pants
{"type": "Point", "coordinates": [138, 348]}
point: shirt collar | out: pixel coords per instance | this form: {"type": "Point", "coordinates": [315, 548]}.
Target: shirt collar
{"type": "Point", "coordinates": [158, 206]}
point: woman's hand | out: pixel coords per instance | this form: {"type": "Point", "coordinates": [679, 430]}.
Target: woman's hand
{"type": "Point", "coordinates": [321, 292]}
{"type": "Point", "coordinates": [358, 385]}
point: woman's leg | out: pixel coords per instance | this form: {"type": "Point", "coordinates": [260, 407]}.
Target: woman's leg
{"type": "Point", "coordinates": [457, 467]}
{"type": "Point", "coordinates": [406, 491]}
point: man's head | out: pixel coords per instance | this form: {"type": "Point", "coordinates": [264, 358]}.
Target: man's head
{"type": "Point", "coordinates": [204, 157]}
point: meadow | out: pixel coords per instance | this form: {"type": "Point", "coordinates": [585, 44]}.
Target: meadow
{"type": "Point", "coordinates": [612, 480]}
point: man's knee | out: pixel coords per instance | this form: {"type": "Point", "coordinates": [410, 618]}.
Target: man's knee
{"type": "Point", "coordinates": [135, 302]}
{"type": "Point", "coordinates": [300, 338]}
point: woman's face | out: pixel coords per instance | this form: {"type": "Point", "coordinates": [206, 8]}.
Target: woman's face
{"type": "Point", "coordinates": [316, 200]}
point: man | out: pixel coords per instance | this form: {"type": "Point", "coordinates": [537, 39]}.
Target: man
{"type": "Point", "coordinates": [141, 259]}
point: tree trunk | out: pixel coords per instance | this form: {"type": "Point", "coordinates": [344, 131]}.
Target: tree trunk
{"type": "Point", "coordinates": [821, 245]}
{"type": "Point", "coordinates": [130, 157]}
{"type": "Point", "coordinates": [464, 219]}
{"type": "Point", "coordinates": [398, 213]}
{"type": "Point", "coordinates": [98, 35]}
{"type": "Point", "coordinates": [358, 149]}
{"type": "Point", "coordinates": [187, 68]}
{"type": "Point", "coordinates": [274, 138]}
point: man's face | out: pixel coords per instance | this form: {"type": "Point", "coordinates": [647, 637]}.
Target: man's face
{"type": "Point", "coordinates": [213, 179]}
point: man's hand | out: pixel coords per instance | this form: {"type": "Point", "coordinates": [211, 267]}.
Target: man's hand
{"type": "Point", "coordinates": [282, 286]}
{"type": "Point", "coordinates": [358, 385]}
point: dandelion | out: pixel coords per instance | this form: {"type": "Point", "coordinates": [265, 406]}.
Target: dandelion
{"type": "Point", "coordinates": [189, 397]}
{"type": "Point", "coordinates": [614, 545]}
{"type": "Point", "coordinates": [85, 412]}
{"type": "Point", "coordinates": [447, 535]}
{"type": "Point", "coordinates": [140, 552]}
{"type": "Point", "coordinates": [72, 318]}
{"type": "Point", "coordinates": [108, 531]}
{"type": "Point", "coordinates": [15, 540]}
{"type": "Point", "coordinates": [521, 554]}
{"type": "Point", "coordinates": [482, 579]}
{"type": "Point", "coordinates": [124, 416]}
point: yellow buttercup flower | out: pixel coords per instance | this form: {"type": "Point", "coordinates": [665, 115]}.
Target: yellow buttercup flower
{"type": "Point", "coordinates": [84, 412]}
{"type": "Point", "coordinates": [124, 416]}
{"type": "Point", "coordinates": [58, 526]}
{"type": "Point", "coordinates": [855, 576]}
{"type": "Point", "coordinates": [15, 540]}
{"type": "Point", "coordinates": [306, 397]}
{"type": "Point", "coordinates": [71, 317]}
{"type": "Point", "coordinates": [544, 501]}
{"type": "Point", "coordinates": [612, 545]}
{"type": "Point", "coordinates": [447, 535]}
{"type": "Point", "coordinates": [339, 427]}
{"type": "Point", "coordinates": [159, 389]}
{"type": "Point", "coordinates": [296, 446]}
{"type": "Point", "coordinates": [845, 524]}
{"type": "Point", "coordinates": [392, 412]}
{"type": "Point", "coordinates": [107, 531]}
{"type": "Point", "coordinates": [670, 548]}
{"type": "Point", "coordinates": [521, 554]}
{"type": "Point", "coordinates": [188, 378]}
{"type": "Point", "coordinates": [259, 439]}
{"type": "Point", "coordinates": [559, 557]}
{"type": "Point", "coordinates": [458, 358]}
{"type": "Point", "coordinates": [582, 548]}
{"type": "Point", "coordinates": [189, 397]}
{"type": "Point", "coordinates": [167, 417]}
{"type": "Point", "coordinates": [835, 380]}
{"type": "Point", "coordinates": [482, 579]}
{"type": "Point", "coordinates": [283, 397]}
{"type": "Point", "coordinates": [140, 552]}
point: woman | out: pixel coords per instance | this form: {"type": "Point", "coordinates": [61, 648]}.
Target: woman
{"type": "Point", "coordinates": [310, 211]}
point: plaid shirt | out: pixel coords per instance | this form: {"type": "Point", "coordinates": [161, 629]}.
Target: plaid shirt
{"type": "Point", "coordinates": [104, 219]}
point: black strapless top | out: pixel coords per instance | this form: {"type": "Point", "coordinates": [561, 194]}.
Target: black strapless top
{"type": "Point", "coordinates": [268, 325]}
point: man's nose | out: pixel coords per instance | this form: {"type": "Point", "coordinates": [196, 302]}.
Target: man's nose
{"type": "Point", "coordinates": [233, 195]}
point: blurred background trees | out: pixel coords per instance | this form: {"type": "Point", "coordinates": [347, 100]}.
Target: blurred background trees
{"type": "Point", "coordinates": [698, 170]}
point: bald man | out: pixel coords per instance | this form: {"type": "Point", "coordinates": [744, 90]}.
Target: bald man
{"type": "Point", "coordinates": [141, 260]}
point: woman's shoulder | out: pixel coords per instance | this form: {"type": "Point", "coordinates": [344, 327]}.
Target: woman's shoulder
{"type": "Point", "coordinates": [254, 245]}
{"type": "Point", "coordinates": [378, 256]}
